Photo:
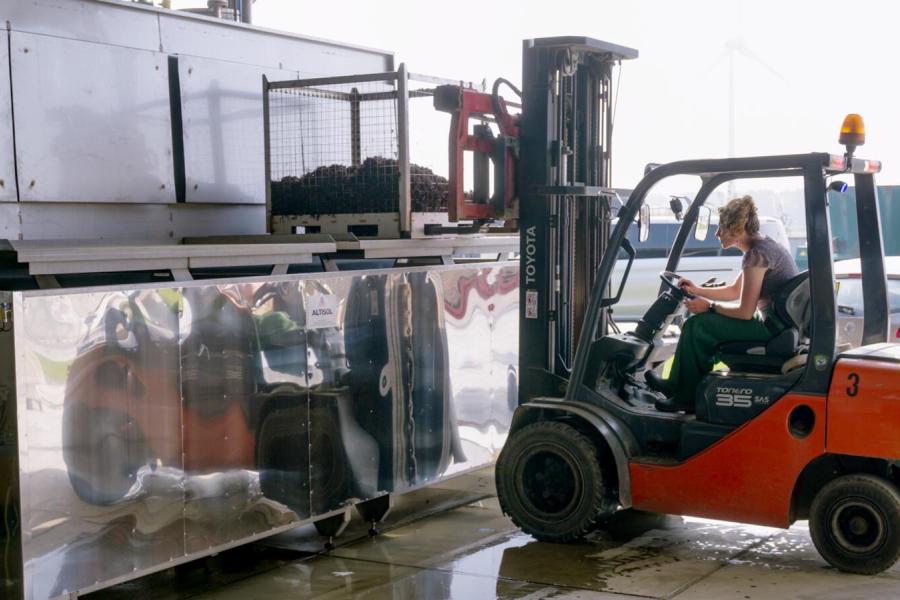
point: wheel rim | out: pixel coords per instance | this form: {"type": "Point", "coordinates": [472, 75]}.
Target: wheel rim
{"type": "Point", "coordinates": [858, 526]}
{"type": "Point", "coordinates": [550, 482]}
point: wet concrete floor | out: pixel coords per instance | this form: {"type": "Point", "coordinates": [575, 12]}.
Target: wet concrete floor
{"type": "Point", "coordinates": [429, 550]}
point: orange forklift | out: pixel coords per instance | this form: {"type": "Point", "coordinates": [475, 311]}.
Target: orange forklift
{"type": "Point", "coordinates": [795, 428]}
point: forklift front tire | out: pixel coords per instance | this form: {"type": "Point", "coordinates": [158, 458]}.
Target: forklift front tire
{"type": "Point", "coordinates": [855, 523]}
{"type": "Point", "coordinates": [550, 482]}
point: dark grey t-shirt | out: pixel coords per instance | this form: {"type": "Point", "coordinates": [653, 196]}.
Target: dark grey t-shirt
{"type": "Point", "coordinates": [780, 267]}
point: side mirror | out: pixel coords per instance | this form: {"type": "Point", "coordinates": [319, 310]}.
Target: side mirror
{"type": "Point", "coordinates": [644, 223]}
{"type": "Point", "coordinates": [702, 228]}
{"type": "Point", "coordinates": [676, 204]}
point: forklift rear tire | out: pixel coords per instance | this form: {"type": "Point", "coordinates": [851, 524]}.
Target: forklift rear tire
{"type": "Point", "coordinates": [550, 482]}
{"type": "Point", "coordinates": [855, 523]}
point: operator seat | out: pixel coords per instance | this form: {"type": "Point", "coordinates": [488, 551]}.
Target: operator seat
{"type": "Point", "coordinates": [792, 306]}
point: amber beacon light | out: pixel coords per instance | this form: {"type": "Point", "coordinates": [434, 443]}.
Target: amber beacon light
{"type": "Point", "coordinates": [853, 132]}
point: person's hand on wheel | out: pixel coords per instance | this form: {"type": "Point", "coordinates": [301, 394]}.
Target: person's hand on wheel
{"type": "Point", "coordinates": [689, 287]}
{"type": "Point", "coordinates": [697, 305]}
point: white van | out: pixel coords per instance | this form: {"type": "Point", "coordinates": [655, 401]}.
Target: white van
{"type": "Point", "coordinates": [700, 261]}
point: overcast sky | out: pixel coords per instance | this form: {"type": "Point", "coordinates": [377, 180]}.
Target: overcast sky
{"type": "Point", "coordinates": [814, 62]}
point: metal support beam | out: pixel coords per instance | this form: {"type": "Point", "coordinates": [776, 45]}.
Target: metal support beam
{"type": "Point", "coordinates": [871, 252]}
{"type": "Point", "coordinates": [403, 151]}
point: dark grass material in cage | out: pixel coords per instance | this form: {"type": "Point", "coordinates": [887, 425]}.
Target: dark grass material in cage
{"type": "Point", "coordinates": [334, 148]}
{"type": "Point", "coordinates": [372, 187]}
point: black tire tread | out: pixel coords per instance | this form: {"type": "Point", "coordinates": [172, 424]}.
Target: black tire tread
{"type": "Point", "coordinates": [583, 447]}
{"type": "Point", "coordinates": [862, 484]}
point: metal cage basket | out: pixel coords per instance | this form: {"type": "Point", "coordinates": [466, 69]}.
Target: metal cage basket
{"type": "Point", "coordinates": [338, 154]}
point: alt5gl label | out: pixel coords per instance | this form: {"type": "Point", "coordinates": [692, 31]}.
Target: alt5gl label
{"type": "Point", "coordinates": [321, 311]}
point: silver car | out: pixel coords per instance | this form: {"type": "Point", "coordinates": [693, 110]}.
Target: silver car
{"type": "Point", "coordinates": [850, 299]}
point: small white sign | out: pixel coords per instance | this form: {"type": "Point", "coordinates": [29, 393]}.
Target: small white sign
{"type": "Point", "coordinates": [321, 311]}
{"type": "Point", "coordinates": [531, 304]}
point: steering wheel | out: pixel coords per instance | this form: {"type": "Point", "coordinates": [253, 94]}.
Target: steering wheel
{"type": "Point", "coordinates": [673, 282]}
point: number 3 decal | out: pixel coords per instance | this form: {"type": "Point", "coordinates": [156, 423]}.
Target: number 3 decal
{"type": "Point", "coordinates": [853, 388]}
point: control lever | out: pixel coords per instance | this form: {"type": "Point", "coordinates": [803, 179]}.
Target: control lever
{"type": "Point", "coordinates": [712, 282]}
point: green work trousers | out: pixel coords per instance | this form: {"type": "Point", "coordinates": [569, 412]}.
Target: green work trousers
{"type": "Point", "coordinates": [695, 354]}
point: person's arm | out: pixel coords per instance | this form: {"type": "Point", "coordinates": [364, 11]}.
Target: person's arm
{"type": "Point", "coordinates": [751, 278]}
{"type": "Point", "coordinates": [725, 293]}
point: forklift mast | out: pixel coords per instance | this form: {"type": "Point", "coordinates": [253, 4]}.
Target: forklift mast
{"type": "Point", "coordinates": [564, 198]}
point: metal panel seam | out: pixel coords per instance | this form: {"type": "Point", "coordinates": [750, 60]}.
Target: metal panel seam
{"type": "Point", "coordinates": [12, 115]}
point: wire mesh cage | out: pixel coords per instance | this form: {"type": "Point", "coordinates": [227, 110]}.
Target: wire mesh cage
{"type": "Point", "coordinates": [341, 146]}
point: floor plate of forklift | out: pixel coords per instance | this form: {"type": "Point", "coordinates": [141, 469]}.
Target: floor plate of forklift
{"type": "Point", "coordinates": [474, 552]}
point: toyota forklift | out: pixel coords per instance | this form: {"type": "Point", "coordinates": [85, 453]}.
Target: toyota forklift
{"type": "Point", "coordinates": [795, 428]}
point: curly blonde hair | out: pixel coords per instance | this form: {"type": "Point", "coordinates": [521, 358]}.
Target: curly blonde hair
{"type": "Point", "coordinates": [739, 216]}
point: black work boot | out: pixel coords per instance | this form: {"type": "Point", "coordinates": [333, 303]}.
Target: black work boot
{"type": "Point", "coordinates": [657, 383]}
{"type": "Point", "coordinates": [668, 404]}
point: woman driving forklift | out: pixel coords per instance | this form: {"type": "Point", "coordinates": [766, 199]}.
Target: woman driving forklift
{"type": "Point", "coordinates": [766, 267]}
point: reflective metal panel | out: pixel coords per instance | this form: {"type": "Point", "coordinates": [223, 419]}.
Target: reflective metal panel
{"type": "Point", "coordinates": [242, 361]}
{"type": "Point", "coordinates": [10, 532]}
{"type": "Point", "coordinates": [352, 389]}
{"type": "Point", "coordinates": [7, 378]}
{"type": "Point", "coordinates": [7, 156]}
{"type": "Point", "coordinates": [281, 421]}
{"type": "Point", "coordinates": [195, 220]}
{"type": "Point", "coordinates": [100, 22]}
{"type": "Point", "coordinates": [235, 43]}
{"type": "Point", "coordinates": [221, 105]}
{"type": "Point", "coordinates": [92, 121]}
{"type": "Point", "coordinates": [157, 424]}
{"type": "Point", "coordinates": [163, 222]}
{"type": "Point", "coordinates": [430, 356]}
{"type": "Point", "coordinates": [9, 220]}
{"type": "Point", "coordinates": [99, 436]}
{"type": "Point", "coordinates": [504, 311]}
{"type": "Point", "coordinates": [142, 26]}
{"type": "Point", "coordinates": [481, 314]}
{"type": "Point", "coordinates": [430, 405]}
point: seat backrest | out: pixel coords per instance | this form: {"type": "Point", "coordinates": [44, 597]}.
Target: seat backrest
{"type": "Point", "coordinates": [792, 303]}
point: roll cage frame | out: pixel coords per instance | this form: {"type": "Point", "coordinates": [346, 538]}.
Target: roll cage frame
{"type": "Point", "coordinates": [814, 168]}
